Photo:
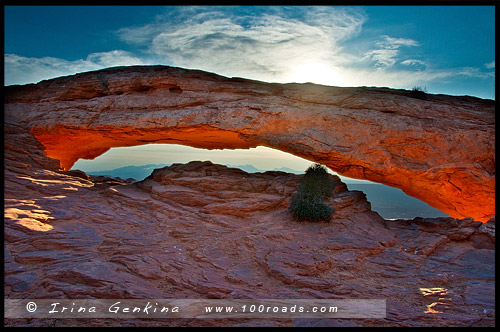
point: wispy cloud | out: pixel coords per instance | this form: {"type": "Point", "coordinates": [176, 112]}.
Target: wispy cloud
{"type": "Point", "coordinates": [474, 72]}
{"type": "Point", "coordinates": [277, 44]}
{"type": "Point", "coordinates": [490, 65]}
{"type": "Point", "coordinates": [23, 70]}
{"type": "Point", "coordinates": [388, 42]}
{"type": "Point", "coordinates": [388, 50]}
{"type": "Point", "coordinates": [413, 62]}
{"type": "Point", "coordinates": [383, 57]}
{"type": "Point", "coordinates": [267, 47]}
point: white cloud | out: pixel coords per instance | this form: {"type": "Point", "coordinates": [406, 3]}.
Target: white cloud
{"type": "Point", "coordinates": [474, 72]}
{"type": "Point", "coordinates": [388, 50]}
{"type": "Point", "coordinates": [413, 62]}
{"type": "Point", "coordinates": [383, 57]}
{"type": "Point", "coordinates": [23, 70]}
{"type": "Point", "coordinates": [280, 44]}
{"type": "Point", "coordinates": [395, 43]}
{"type": "Point", "coordinates": [266, 47]}
{"type": "Point", "coordinates": [490, 65]}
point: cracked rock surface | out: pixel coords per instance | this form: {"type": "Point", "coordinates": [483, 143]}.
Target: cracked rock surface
{"type": "Point", "coordinates": [201, 230]}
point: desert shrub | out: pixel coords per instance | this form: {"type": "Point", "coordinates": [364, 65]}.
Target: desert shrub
{"type": "Point", "coordinates": [309, 207]}
{"type": "Point", "coordinates": [419, 92]}
{"type": "Point", "coordinates": [317, 182]}
{"type": "Point", "coordinates": [419, 88]}
{"type": "Point", "coordinates": [307, 203]}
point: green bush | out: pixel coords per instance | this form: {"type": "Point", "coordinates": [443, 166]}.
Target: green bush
{"type": "Point", "coordinates": [307, 203]}
{"type": "Point", "coordinates": [317, 182]}
{"type": "Point", "coordinates": [309, 207]}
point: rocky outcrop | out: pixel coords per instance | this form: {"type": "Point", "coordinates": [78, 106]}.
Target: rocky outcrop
{"type": "Point", "coordinates": [439, 149]}
{"type": "Point", "coordinates": [208, 231]}
{"type": "Point", "coordinates": [201, 230]}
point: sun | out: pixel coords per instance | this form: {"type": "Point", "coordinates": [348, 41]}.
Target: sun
{"type": "Point", "coordinates": [316, 72]}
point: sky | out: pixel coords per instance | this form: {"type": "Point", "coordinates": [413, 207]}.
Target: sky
{"type": "Point", "coordinates": [446, 49]}
{"type": "Point", "coordinates": [260, 157]}
{"type": "Point", "coordinates": [443, 49]}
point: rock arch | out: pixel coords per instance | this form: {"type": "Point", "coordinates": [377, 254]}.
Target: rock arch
{"type": "Point", "coordinates": [439, 149]}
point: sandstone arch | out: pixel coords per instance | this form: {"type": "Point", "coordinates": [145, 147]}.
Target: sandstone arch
{"type": "Point", "coordinates": [440, 149]}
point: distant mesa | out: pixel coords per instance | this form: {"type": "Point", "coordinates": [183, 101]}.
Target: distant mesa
{"type": "Point", "coordinates": [139, 173]}
{"type": "Point", "coordinates": [133, 172]}
{"type": "Point", "coordinates": [440, 149]}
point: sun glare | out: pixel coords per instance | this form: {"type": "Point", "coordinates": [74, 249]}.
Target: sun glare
{"type": "Point", "coordinates": [316, 72]}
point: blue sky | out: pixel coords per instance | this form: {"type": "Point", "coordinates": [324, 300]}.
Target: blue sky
{"type": "Point", "coordinates": [447, 49]}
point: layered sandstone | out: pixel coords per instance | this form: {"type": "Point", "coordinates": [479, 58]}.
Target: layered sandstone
{"type": "Point", "coordinates": [206, 231]}
{"type": "Point", "coordinates": [439, 149]}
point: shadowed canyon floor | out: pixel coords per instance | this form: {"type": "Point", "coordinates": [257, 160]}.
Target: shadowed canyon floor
{"type": "Point", "coordinates": [201, 230]}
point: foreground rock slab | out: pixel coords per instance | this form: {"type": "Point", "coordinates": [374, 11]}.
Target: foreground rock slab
{"type": "Point", "coordinates": [207, 231]}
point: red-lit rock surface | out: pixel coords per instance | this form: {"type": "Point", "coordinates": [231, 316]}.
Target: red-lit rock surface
{"type": "Point", "coordinates": [439, 149]}
{"type": "Point", "coordinates": [207, 231]}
